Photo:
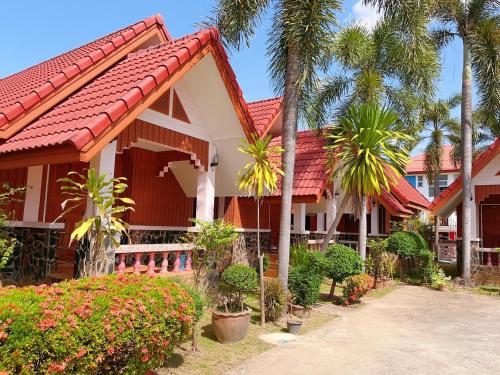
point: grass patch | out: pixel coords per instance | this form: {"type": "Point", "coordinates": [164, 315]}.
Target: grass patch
{"type": "Point", "coordinates": [489, 290]}
{"type": "Point", "coordinates": [216, 358]}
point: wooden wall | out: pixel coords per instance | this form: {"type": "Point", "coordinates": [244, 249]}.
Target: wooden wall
{"type": "Point", "coordinates": [242, 213]}
{"type": "Point", "coordinates": [15, 178]}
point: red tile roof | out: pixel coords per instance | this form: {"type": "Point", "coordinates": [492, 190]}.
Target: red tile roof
{"type": "Point", "coordinates": [22, 91]}
{"type": "Point", "coordinates": [393, 205]}
{"type": "Point", "coordinates": [310, 178]}
{"type": "Point", "coordinates": [408, 195]}
{"type": "Point", "coordinates": [87, 113]}
{"type": "Point", "coordinates": [417, 163]}
{"type": "Point", "coordinates": [456, 186]}
{"type": "Point", "coordinates": [263, 113]}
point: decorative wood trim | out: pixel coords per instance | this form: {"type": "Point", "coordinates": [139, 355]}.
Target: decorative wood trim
{"type": "Point", "coordinates": [52, 155]}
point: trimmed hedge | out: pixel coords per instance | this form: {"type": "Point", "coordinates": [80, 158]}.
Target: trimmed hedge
{"type": "Point", "coordinates": [304, 284]}
{"type": "Point", "coordinates": [112, 324]}
{"type": "Point", "coordinates": [343, 262]}
{"type": "Point", "coordinates": [403, 244]}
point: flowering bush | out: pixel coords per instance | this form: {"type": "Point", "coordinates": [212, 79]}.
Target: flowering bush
{"type": "Point", "coordinates": [356, 287]}
{"type": "Point", "coordinates": [112, 324]}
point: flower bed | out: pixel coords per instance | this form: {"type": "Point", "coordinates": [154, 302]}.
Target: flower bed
{"type": "Point", "coordinates": [113, 324]}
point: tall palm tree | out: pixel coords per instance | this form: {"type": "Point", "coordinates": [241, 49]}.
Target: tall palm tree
{"type": "Point", "coordinates": [255, 178]}
{"type": "Point", "coordinates": [368, 158]}
{"type": "Point", "coordinates": [377, 66]}
{"type": "Point", "coordinates": [441, 126]}
{"type": "Point", "coordinates": [298, 44]}
{"type": "Point", "coordinates": [477, 24]}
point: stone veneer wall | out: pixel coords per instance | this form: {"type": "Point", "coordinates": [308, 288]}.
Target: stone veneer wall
{"type": "Point", "coordinates": [245, 248]}
{"type": "Point", "coordinates": [33, 257]}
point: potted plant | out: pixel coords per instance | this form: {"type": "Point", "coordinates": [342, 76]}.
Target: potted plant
{"type": "Point", "coordinates": [231, 319]}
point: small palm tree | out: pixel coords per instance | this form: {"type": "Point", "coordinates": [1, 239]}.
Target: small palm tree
{"type": "Point", "coordinates": [477, 24]}
{"type": "Point", "coordinates": [368, 157]}
{"type": "Point", "coordinates": [257, 177]}
{"type": "Point", "coordinates": [437, 120]}
{"type": "Point", "coordinates": [298, 44]}
{"type": "Point", "coordinates": [102, 223]}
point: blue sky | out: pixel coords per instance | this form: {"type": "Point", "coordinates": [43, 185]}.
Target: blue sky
{"type": "Point", "coordinates": [32, 31]}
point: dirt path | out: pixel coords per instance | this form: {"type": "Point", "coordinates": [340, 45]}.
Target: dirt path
{"type": "Point", "coordinates": [413, 330]}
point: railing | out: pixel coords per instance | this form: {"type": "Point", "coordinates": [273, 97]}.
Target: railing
{"type": "Point", "coordinates": [156, 253]}
{"type": "Point", "coordinates": [489, 256]}
{"type": "Point", "coordinates": [447, 251]}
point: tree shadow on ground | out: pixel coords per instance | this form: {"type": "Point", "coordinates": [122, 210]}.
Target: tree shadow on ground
{"type": "Point", "coordinates": [208, 332]}
{"type": "Point", "coordinates": [175, 360]}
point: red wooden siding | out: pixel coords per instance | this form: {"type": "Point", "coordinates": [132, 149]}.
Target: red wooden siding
{"type": "Point", "coordinates": [159, 201]}
{"type": "Point", "coordinates": [15, 178]}
{"type": "Point", "coordinates": [162, 105]}
{"type": "Point", "coordinates": [242, 213]}
{"type": "Point", "coordinates": [144, 130]}
{"type": "Point", "coordinates": [484, 191]}
{"type": "Point", "coordinates": [178, 111]}
{"type": "Point", "coordinates": [490, 221]}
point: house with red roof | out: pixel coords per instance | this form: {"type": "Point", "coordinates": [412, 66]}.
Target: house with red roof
{"type": "Point", "coordinates": [485, 198]}
{"type": "Point", "coordinates": [168, 114]}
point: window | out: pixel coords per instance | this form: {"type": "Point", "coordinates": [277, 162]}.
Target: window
{"type": "Point", "coordinates": [443, 184]}
{"type": "Point", "coordinates": [420, 181]}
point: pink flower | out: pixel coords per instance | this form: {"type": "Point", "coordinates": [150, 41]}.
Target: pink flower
{"type": "Point", "coordinates": [57, 367]}
{"type": "Point", "coordinates": [81, 353]}
{"type": "Point", "coordinates": [111, 350]}
{"type": "Point", "coordinates": [46, 324]}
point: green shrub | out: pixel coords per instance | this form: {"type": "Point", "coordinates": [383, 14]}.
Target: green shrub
{"type": "Point", "coordinates": [304, 285]}
{"type": "Point", "coordinates": [439, 280]}
{"type": "Point", "coordinates": [355, 287]}
{"type": "Point", "coordinates": [111, 324]}
{"type": "Point", "coordinates": [274, 299]}
{"type": "Point", "coordinates": [426, 265]}
{"type": "Point", "coordinates": [343, 261]}
{"type": "Point", "coordinates": [236, 280]}
{"type": "Point", "coordinates": [403, 244]}
{"type": "Point", "coordinates": [420, 242]}
{"type": "Point", "coordinates": [299, 254]}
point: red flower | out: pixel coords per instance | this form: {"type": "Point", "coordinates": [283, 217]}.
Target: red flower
{"type": "Point", "coordinates": [111, 350]}
{"type": "Point", "coordinates": [46, 324]}
{"type": "Point", "coordinates": [81, 353]}
{"type": "Point", "coordinates": [57, 367]}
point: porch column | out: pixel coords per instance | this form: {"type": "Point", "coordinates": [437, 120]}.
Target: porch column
{"type": "Point", "coordinates": [374, 219]}
{"type": "Point", "coordinates": [104, 163]}
{"type": "Point", "coordinates": [474, 221]}
{"type": "Point", "coordinates": [299, 217]}
{"type": "Point", "coordinates": [220, 208]}
{"type": "Point", "coordinates": [32, 194]}
{"type": "Point", "coordinates": [320, 221]}
{"type": "Point", "coordinates": [331, 212]}
{"type": "Point", "coordinates": [205, 191]}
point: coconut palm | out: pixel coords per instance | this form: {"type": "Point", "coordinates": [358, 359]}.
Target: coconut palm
{"type": "Point", "coordinates": [441, 126]}
{"type": "Point", "coordinates": [477, 24]}
{"type": "Point", "coordinates": [367, 158]}
{"type": "Point", "coordinates": [298, 44]}
{"type": "Point", "coordinates": [257, 177]}
{"type": "Point", "coordinates": [377, 66]}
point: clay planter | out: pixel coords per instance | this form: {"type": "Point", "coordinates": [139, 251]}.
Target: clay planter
{"type": "Point", "coordinates": [230, 327]}
{"type": "Point", "coordinates": [299, 311]}
{"type": "Point", "coordinates": [294, 326]}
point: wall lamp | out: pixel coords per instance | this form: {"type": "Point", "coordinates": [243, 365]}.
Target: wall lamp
{"type": "Point", "coordinates": [215, 161]}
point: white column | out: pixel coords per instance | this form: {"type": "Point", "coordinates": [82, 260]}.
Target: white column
{"type": "Point", "coordinates": [299, 217]}
{"type": "Point", "coordinates": [320, 221]}
{"type": "Point", "coordinates": [103, 163]}
{"type": "Point", "coordinates": [220, 208]}
{"type": "Point", "coordinates": [474, 217]}
{"type": "Point", "coordinates": [374, 219]}
{"type": "Point", "coordinates": [331, 212]}
{"type": "Point", "coordinates": [205, 191]}
{"type": "Point", "coordinates": [32, 194]}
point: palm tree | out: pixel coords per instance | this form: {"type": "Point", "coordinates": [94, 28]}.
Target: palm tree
{"type": "Point", "coordinates": [298, 43]}
{"type": "Point", "coordinates": [368, 157]}
{"type": "Point", "coordinates": [438, 122]}
{"type": "Point", "coordinates": [257, 176]}
{"type": "Point", "coordinates": [377, 66]}
{"type": "Point", "coordinates": [477, 24]}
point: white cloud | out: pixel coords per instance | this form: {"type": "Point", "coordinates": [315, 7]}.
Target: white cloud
{"type": "Point", "coordinates": [366, 15]}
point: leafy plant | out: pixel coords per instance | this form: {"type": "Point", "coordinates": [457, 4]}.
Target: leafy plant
{"type": "Point", "coordinates": [426, 265]}
{"type": "Point", "coordinates": [274, 298]}
{"type": "Point", "coordinates": [102, 224]}
{"type": "Point", "coordinates": [112, 324]}
{"type": "Point", "coordinates": [211, 242]}
{"type": "Point", "coordinates": [376, 261]}
{"type": "Point", "coordinates": [255, 177]}
{"type": "Point", "coordinates": [236, 280]}
{"type": "Point", "coordinates": [342, 262]}
{"type": "Point", "coordinates": [7, 243]}
{"type": "Point", "coordinates": [304, 285]}
{"type": "Point", "coordinates": [355, 287]}
{"type": "Point", "coordinates": [439, 280]}
{"type": "Point", "coordinates": [299, 254]}
{"type": "Point", "coordinates": [403, 244]}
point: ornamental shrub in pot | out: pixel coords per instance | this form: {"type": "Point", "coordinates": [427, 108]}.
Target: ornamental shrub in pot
{"type": "Point", "coordinates": [231, 319]}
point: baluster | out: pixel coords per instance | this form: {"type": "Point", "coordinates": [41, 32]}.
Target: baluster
{"type": "Point", "coordinates": [151, 264]}
{"type": "Point", "coordinates": [120, 270]}
{"type": "Point", "coordinates": [177, 262]}
{"type": "Point", "coordinates": [189, 262]}
{"type": "Point", "coordinates": [164, 263]}
{"type": "Point", "coordinates": [137, 264]}
{"type": "Point", "coordinates": [488, 259]}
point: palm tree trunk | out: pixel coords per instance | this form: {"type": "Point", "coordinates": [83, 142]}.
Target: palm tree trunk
{"type": "Point", "coordinates": [333, 227]}
{"type": "Point", "coordinates": [436, 218]}
{"type": "Point", "coordinates": [362, 231]}
{"type": "Point", "coordinates": [261, 268]}
{"type": "Point", "coordinates": [290, 110]}
{"type": "Point", "coordinates": [466, 114]}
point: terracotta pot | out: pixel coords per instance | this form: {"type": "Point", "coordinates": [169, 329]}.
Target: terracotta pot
{"type": "Point", "coordinates": [294, 327]}
{"type": "Point", "coordinates": [299, 311]}
{"type": "Point", "coordinates": [230, 327]}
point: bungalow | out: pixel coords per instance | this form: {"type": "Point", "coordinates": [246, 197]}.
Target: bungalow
{"type": "Point", "coordinates": [485, 195]}
{"type": "Point", "coordinates": [168, 114]}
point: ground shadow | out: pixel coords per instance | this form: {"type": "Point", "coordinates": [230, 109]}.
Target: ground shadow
{"type": "Point", "coordinates": [175, 360]}
{"type": "Point", "coordinates": [208, 332]}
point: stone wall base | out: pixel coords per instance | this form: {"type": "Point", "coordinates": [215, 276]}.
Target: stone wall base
{"type": "Point", "coordinates": [244, 249]}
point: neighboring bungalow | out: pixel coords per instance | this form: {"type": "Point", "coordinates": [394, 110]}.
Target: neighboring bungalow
{"type": "Point", "coordinates": [169, 115]}
{"type": "Point", "coordinates": [417, 177]}
{"type": "Point", "coordinates": [485, 209]}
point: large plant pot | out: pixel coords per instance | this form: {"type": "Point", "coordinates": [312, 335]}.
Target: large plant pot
{"type": "Point", "coordinates": [299, 311]}
{"type": "Point", "coordinates": [230, 327]}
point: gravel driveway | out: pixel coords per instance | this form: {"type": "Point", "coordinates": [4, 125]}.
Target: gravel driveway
{"type": "Point", "coordinates": [413, 330]}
